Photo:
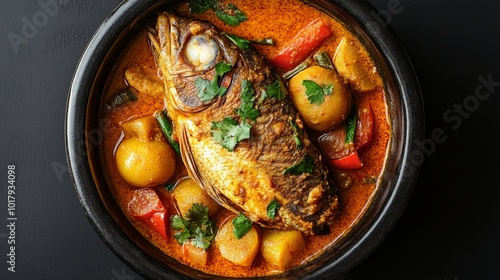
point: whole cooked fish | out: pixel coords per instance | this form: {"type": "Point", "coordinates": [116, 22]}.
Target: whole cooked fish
{"type": "Point", "coordinates": [241, 138]}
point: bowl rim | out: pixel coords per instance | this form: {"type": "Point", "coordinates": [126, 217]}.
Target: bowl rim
{"type": "Point", "coordinates": [123, 18]}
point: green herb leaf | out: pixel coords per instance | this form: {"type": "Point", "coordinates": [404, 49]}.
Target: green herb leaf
{"type": "Point", "coordinates": [208, 90]}
{"type": "Point", "coordinates": [276, 90]}
{"type": "Point", "coordinates": [305, 165]}
{"type": "Point", "coordinates": [243, 44]}
{"type": "Point", "coordinates": [170, 187]}
{"type": "Point", "coordinates": [273, 208]}
{"type": "Point", "coordinates": [297, 131]}
{"type": "Point", "coordinates": [246, 109]}
{"type": "Point", "coordinates": [316, 93]}
{"type": "Point", "coordinates": [222, 68]}
{"type": "Point", "coordinates": [350, 127]}
{"type": "Point", "coordinates": [228, 132]}
{"type": "Point", "coordinates": [197, 228]}
{"type": "Point", "coordinates": [201, 6]}
{"type": "Point", "coordinates": [241, 225]}
{"type": "Point", "coordinates": [230, 14]}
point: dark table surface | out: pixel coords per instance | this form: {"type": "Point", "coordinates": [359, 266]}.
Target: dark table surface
{"type": "Point", "coordinates": [450, 229]}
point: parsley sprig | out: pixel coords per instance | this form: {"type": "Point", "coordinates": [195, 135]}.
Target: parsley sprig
{"type": "Point", "coordinates": [197, 228]}
{"type": "Point", "coordinates": [229, 132]}
{"type": "Point", "coordinates": [208, 90]}
{"type": "Point", "coordinates": [316, 93]}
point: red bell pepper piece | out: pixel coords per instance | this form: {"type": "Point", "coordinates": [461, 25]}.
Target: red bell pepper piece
{"type": "Point", "coordinates": [364, 126]}
{"type": "Point", "coordinates": [147, 207]}
{"type": "Point", "coordinates": [302, 45]}
{"type": "Point", "coordinates": [342, 155]}
{"type": "Point", "coordinates": [349, 162]}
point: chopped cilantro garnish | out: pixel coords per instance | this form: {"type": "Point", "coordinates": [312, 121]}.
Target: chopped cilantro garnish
{"type": "Point", "coordinates": [241, 225]}
{"type": "Point", "coordinates": [222, 68]}
{"type": "Point", "coordinates": [316, 93]}
{"type": "Point", "coordinates": [276, 90]}
{"type": "Point", "coordinates": [208, 90]}
{"type": "Point", "coordinates": [305, 165]}
{"type": "Point", "coordinates": [196, 228]}
{"type": "Point", "coordinates": [273, 208]}
{"type": "Point", "coordinates": [228, 132]}
{"type": "Point", "coordinates": [246, 109]}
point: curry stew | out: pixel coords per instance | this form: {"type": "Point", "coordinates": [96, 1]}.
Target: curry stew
{"type": "Point", "coordinates": [331, 80]}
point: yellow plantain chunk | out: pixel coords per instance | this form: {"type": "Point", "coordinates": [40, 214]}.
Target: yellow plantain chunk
{"type": "Point", "coordinates": [279, 247]}
{"type": "Point", "coordinates": [188, 192]}
{"type": "Point", "coordinates": [238, 251]}
{"type": "Point", "coordinates": [349, 65]}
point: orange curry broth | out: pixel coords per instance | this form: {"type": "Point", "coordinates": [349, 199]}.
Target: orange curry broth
{"type": "Point", "coordinates": [293, 15]}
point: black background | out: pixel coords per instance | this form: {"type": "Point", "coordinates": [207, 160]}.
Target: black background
{"type": "Point", "coordinates": [450, 229]}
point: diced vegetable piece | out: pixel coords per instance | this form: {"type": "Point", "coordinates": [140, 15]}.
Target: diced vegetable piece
{"type": "Point", "coordinates": [144, 128]}
{"type": "Point", "coordinates": [323, 60]}
{"type": "Point", "coordinates": [137, 78]}
{"type": "Point", "coordinates": [341, 145]}
{"type": "Point", "coordinates": [295, 70]}
{"type": "Point", "coordinates": [360, 73]}
{"type": "Point", "coordinates": [167, 129]}
{"type": "Point", "coordinates": [332, 144]}
{"type": "Point", "coordinates": [145, 164]}
{"type": "Point", "coordinates": [331, 108]}
{"type": "Point", "coordinates": [302, 45]}
{"type": "Point", "coordinates": [349, 162]}
{"type": "Point", "coordinates": [365, 126]}
{"type": "Point", "coordinates": [194, 254]}
{"type": "Point", "coordinates": [188, 192]}
{"type": "Point", "coordinates": [238, 251]}
{"type": "Point", "coordinates": [157, 222]}
{"type": "Point", "coordinates": [147, 206]}
{"type": "Point", "coordinates": [279, 247]}
{"type": "Point", "coordinates": [123, 97]}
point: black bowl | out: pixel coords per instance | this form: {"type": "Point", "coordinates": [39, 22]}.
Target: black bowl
{"type": "Point", "coordinates": [84, 133]}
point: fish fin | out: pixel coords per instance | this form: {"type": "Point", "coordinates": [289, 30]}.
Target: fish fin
{"type": "Point", "coordinates": [196, 175]}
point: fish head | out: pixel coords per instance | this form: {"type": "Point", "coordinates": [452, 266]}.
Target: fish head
{"type": "Point", "coordinates": [186, 50]}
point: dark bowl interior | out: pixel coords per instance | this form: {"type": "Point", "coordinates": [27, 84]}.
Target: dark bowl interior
{"type": "Point", "coordinates": [84, 134]}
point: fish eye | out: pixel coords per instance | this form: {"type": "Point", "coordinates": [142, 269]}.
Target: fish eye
{"type": "Point", "coordinates": [201, 52]}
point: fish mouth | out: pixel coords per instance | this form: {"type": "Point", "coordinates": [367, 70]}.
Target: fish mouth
{"type": "Point", "coordinates": [161, 46]}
